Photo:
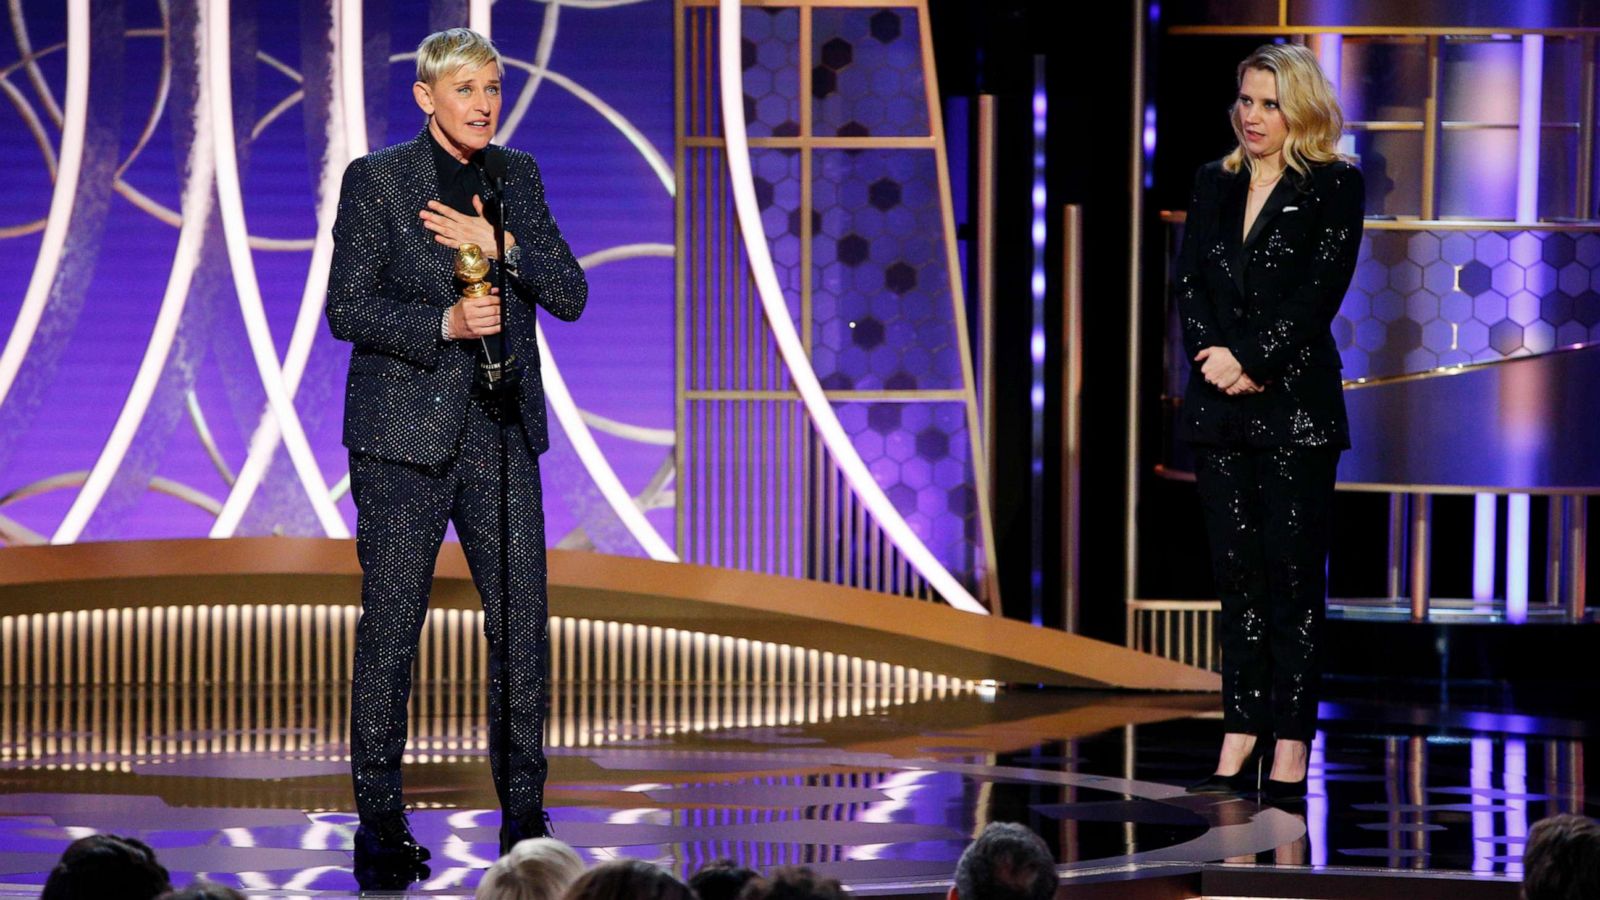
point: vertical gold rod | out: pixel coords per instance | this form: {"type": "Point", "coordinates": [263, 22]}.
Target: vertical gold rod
{"type": "Point", "coordinates": [680, 285]}
{"type": "Point", "coordinates": [1577, 574]}
{"type": "Point", "coordinates": [1283, 13]}
{"type": "Point", "coordinates": [989, 586]}
{"type": "Point", "coordinates": [988, 175]}
{"type": "Point", "coordinates": [1421, 554]}
{"type": "Point", "coordinates": [1430, 129]}
{"type": "Point", "coordinates": [1555, 544]}
{"type": "Point", "coordinates": [1587, 73]}
{"type": "Point", "coordinates": [1397, 545]}
{"type": "Point", "coordinates": [1130, 518]}
{"type": "Point", "coordinates": [1071, 414]}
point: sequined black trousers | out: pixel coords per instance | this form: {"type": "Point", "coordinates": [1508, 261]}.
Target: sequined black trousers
{"type": "Point", "coordinates": [1267, 514]}
{"type": "Point", "coordinates": [402, 511]}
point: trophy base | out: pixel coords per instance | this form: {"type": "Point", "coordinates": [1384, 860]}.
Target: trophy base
{"type": "Point", "coordinates": [498, 380]}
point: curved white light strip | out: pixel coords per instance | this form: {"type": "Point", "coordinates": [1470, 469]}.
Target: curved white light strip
{"type": "Point", "coordinates": [626, 251]}
{"type": "Point", "coordinates": [777, 312]}
{"type": "Point", "coordinates": [541, 62]}
{"type": "Point", "coordinates": [599, 468]}
{"type": "Point", "coordinates": [61, 201]}
{"type": "Point", "coordinates": [231, 201]}
{"type": "Point", "coordinates": [478, 18]}
{"type": "Point", "coordinates": [635, 137]}
{"type": "Point", "coordinates": [196, 212]}
{"type": "Point", "coordinates": [19, 30]}
{"type": "Point", "coordinates": [351, 77]}
{"type": "Point", "coordinates": [308, 321]}
{"type": "Point", "coordinates": [638, 434]}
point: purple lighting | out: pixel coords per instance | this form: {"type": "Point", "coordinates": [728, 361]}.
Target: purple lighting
{"type": "Point", "coordinates": [1517, 516]}
{"type": "Point", "coordinates": [1528, 120]}
{"type": "Point", "coordinates": [1483, 556]}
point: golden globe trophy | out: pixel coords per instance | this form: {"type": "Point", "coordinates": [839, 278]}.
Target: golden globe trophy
{"type": "Point", "coordinates": [497, 371]}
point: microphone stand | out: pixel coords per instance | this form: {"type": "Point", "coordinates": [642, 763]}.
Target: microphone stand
{"type": "Point", "coordinates": [506, 400]}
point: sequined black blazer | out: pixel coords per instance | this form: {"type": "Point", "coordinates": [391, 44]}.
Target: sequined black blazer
{"type": "Point", "coordinates": [388, 287]}
{"type": "Point", "coordinates": [1270, 297]}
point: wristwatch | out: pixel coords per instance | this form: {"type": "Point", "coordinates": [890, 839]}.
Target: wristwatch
{"type": "Point", "coordinates": [513, 259]}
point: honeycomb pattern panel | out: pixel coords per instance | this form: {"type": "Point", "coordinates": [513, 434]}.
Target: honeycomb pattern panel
{"type": "Point", "coordinates": [1425, 299]}
{"type": "Point", "coordinates": [770, 51]}
{"type": "Point", "coordinates": [920, 454]}
{"type": "Point", "coordinates": [881, 304]}
{"type": "Point", "coordinates": [866, 73]}
{"type": "Point", "coordinates": [776, 176]}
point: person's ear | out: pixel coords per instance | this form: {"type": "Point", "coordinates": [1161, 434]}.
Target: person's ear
{"type": "Point", "coordinates": [424, 97]}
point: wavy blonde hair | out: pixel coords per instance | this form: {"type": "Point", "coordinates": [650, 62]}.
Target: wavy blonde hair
{"type": "Point", "coordinates": [1309, 105]}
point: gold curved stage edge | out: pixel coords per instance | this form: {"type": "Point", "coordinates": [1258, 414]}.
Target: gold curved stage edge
{"type": "Point", "coordinates": [899, 631]}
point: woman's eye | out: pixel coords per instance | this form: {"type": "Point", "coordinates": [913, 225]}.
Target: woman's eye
{"type": "Point", "coordinates": [1271, 104]}
{"type": "Point", "coordinates": [491, 90]}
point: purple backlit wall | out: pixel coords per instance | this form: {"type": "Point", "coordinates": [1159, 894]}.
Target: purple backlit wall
{"type": "Point", "coordinates": [119, 251]}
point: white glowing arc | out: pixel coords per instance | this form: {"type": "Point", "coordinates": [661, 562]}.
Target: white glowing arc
{"type": "Point", "coordinates": [231, 202]}
{"type": "Point", "coordinates": [308, 320]}
{"type": "Point", "coordinates": [196, 204]}
{"type": "Point", "coordinates": [53, 242]}
{"type": "Point", "coordinates": [783, 330]}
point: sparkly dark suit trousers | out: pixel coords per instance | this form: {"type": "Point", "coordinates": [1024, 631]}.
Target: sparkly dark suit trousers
{"type": "Point", "coordinates": [402, 511]}
{"type": "Point", "coordinates": [1267, 513]}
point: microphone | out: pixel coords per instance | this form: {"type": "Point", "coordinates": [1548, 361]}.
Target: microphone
{"type": "Point", "coordinates": [499, 371]}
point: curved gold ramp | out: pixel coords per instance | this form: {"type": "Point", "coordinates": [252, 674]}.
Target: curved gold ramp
{"type": "Point", "coordinates": [892, 629]}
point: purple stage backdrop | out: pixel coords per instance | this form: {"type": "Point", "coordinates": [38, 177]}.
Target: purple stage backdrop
{"type": "Point", "coordinates": [609, 75]}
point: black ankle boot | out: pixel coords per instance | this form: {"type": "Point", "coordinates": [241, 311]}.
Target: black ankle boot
{"type": "Point", "coordinates": [532, 824]}
{"type": "Point", "coordinates": [386, 838]}
{"type": "Point", "coordinates": [1246, 781]}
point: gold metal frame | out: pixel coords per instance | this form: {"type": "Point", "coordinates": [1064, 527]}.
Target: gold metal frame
{"type": "Point", "coordinates": [735, 396]}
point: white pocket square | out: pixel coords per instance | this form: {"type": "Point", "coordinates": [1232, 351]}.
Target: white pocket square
{"type": "Point", "coordinates": [1291, 209]}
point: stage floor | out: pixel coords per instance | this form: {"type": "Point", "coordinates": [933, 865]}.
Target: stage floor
{"type": "Point", "coordinates": [880, 783]}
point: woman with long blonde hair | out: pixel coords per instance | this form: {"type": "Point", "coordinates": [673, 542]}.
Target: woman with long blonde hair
{"type": "Point", "coordinates": [1268, 251]}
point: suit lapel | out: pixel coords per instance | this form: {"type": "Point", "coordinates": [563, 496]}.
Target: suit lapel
{"type": "Point", "coordinates": [422, 185]}
{"type": "Point", "coordinates": [1235, 194]}
{"type": "Point", "coordinates": [1276, 201]}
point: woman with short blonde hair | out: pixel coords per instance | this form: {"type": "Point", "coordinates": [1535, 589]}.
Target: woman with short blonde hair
{"type": "Point", "coordinates": [535, 869]}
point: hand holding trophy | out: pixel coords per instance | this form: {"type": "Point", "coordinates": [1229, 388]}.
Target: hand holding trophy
{"type": "Point", "coordinates": [497, 369]}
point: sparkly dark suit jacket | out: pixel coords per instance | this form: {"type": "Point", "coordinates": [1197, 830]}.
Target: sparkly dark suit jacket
{"type": "Point", "coordinates": [1270, 297]}
{"type": "Point", "coordinates": [388, 288]}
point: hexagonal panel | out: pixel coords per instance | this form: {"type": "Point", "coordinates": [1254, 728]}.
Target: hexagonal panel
{"type": "Point", "coordinates": [882, 88]}
{"type": "Point", "coordinates": [1475, 278]}
{"type": "Point", "coordinates": [884, 194]}
{"type": "Point", "coordinates": [1506, 337]}
{"type": "Point", "coordinates": [1422, 248]}
{"type": "Point", "coordinates": [885, 26]}
{"type": "Point", "coordinates": [1558, 249]}
{"type": "Point", "coordinates": [836, 53]}
{"type": "Point", "coordinates": [867, 333]}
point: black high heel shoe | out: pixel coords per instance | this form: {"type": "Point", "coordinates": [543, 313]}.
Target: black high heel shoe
{"type": "Point", "coordinates": [1246, 781]}
{"type": "Point", "coordinates": [1274, 791]}
{"type": "Point", "coordinates": [1278, 792]}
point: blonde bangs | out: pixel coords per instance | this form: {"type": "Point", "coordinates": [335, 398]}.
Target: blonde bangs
{"type": "Point", "coordinates": [443, 53]}
{"type": "Point", "coordinates": [1309, 105]}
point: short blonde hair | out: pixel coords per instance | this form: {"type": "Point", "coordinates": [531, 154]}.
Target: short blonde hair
{"type": "Point", "coordinates": [535, 869]}
{"type": "Point", "coordinates": [443, 52]}
{"type": "Point", "coordinates": [1309, 105]}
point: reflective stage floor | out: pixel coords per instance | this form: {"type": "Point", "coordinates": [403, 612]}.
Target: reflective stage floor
{"type": "Point", "coordinates": [230, 760]}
